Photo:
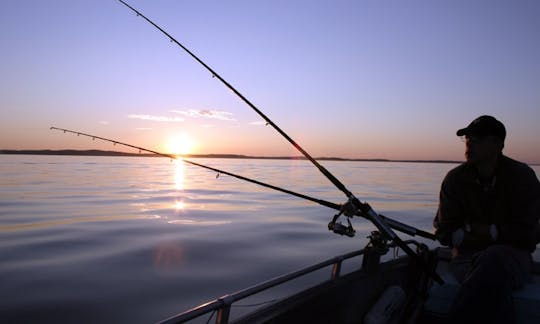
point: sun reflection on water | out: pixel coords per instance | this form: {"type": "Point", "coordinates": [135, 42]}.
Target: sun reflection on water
{"type": "Point", "coordinates": [178, 174]}
{"type": "Point", "coordinates": [179, 205]}
{"type": "Point", "coordinates": [179, 178]}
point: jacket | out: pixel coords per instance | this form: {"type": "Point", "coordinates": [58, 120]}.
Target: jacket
{"type": "Point", "coordinates": [511, 201]}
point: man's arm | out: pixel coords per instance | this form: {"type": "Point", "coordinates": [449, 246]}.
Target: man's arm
{"type": "Point", "coordinates": [521, 229]}
{"type": "Point", "coordinates": [449, 216]}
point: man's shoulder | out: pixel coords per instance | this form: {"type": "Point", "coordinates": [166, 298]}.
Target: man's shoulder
{"type": "Point", "coordinates": [516, 167]}
{"type": "Point", "coordinates": [461, 171]}
{"type": "Point", "coordinates": [519, 174]}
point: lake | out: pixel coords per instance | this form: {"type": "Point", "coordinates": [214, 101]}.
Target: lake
{"type": "Point", "coordinates": [138, 239]}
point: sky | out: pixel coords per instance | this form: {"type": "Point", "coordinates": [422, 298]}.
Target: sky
{"type": "Point", "coordinates": [353, 79]}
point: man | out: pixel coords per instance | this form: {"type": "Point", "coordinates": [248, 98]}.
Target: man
{"type": "Point", "coordinates": [489, 213]}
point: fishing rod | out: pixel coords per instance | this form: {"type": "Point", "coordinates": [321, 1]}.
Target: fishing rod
{"type": "Point", "coordinates": [335, 227]}
{"type": "Point", "coordinates": [324, 171]}
{"type": "Point", "coordinates": [393, 223]}
{"type": "Point", "coordinates": [352, 207]}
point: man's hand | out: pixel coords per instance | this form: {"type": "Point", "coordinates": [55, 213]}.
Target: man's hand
{"type": "Point", "coordinates": [484, 231]}
{"type": "Point", "coordinates": [474, 235]}
{"type": "Point", "coordinates": [457, 237]}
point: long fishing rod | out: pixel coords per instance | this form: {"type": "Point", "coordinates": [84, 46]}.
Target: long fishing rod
{"type": "Point", "coordinates": [330, 176]}
{"type": "Point", "coordinates": [352, 207]}
{"type": "Point", "coordinates": [393, 223]}
{"type": "Point", "coordinates": [335, 227]}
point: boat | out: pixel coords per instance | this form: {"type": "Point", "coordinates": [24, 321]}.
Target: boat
{"type": "Point", "coordinates": [397, 290]}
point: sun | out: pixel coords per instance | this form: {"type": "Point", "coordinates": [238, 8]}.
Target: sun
{"type": "Point", "coordinates": [180, 145]}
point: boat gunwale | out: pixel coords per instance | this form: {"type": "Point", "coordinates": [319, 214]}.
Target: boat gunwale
{"type": "Point", "coordinates": [225, 302]}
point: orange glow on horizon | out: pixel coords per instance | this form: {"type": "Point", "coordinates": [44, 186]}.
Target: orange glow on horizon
{"type": "Point", "coordinates": [180, 145]}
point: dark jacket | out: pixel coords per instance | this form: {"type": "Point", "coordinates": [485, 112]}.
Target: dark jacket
{"type": "Point", "coordinates": [511, 201]}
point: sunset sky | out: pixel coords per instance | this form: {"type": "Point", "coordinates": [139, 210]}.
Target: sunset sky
{"type": "Point", "coordinates": [355, 79]}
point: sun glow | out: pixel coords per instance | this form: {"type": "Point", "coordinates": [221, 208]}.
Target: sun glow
{"type": "Point", "coordinates": [180, 145]}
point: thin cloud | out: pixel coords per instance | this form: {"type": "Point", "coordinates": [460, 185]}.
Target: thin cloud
{"type": "Point", "coordinates": [143, 128]}
{"type": "Point", "coordinates": [104, 122]}
{"type": "Point", "coordinates": [206, 113]}
{"type": "Point", "coordinates": [158, 118]}
{"type": "Point", "coordinates": [258, 123]}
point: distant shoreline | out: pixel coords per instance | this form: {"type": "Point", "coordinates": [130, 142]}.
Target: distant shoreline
{"type": "Point", "coordinates": [217, 156]}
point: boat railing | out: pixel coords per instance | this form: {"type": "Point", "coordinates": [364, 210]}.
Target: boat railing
{"type": "Point", "coordinates": [222, 305]}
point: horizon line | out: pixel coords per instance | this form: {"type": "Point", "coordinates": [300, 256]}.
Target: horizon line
{"type": "Point", "coordinates": [91, 152]}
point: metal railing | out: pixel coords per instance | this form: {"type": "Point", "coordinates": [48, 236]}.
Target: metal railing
{"type": "Point", "coordinates": [222, 305]}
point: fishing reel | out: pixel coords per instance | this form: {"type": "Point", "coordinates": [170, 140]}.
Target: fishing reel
{"type": "Point", "coordinates": [341, 229]}
{"type": "Point", "coordinates": [349, 209]}
{"type": "Point", "coordinates": [378, 241]}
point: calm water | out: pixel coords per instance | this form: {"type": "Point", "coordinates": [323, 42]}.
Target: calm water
{"type": "Point", "coordinates": [100, 239]}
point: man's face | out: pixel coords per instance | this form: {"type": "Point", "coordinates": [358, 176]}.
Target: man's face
{"type": "Point", "coordinates": [482, 149]}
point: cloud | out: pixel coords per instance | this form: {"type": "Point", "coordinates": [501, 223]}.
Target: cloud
{"type": "Point", "coordinates": [143, 128]}
{"type": "Point", "coordinates": [157, 118]}
{"type": "Point", "coordinates": [258, 123]}
{"type": "Point", "coordinates": [104, 122]}
{"type": "Point", "coordinates": [206, 113]}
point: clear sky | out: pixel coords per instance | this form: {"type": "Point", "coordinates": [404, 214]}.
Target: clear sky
{"type": "Point", "coordinates": [358, 79]}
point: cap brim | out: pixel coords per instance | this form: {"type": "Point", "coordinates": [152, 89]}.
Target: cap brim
{"type": "Point", "coordinates": [463, 131]}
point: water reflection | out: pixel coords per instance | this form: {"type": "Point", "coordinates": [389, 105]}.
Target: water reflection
{"type": "Point", "coordinates": [65, 221]}
{"type": "Point", "coordinates": [199, 222]}
{"type": "Point", "coordinates": [179, 205]}
{"type": "Point", "coordinates": [169, 258]}
{"type": "Point", "coordinates": [179, 183]}
{"type": "Point", "coordinates": [179, 174]}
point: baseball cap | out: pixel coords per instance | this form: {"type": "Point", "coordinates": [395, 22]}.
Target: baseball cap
{"type": "Point", "coordinates": [484, 126]}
